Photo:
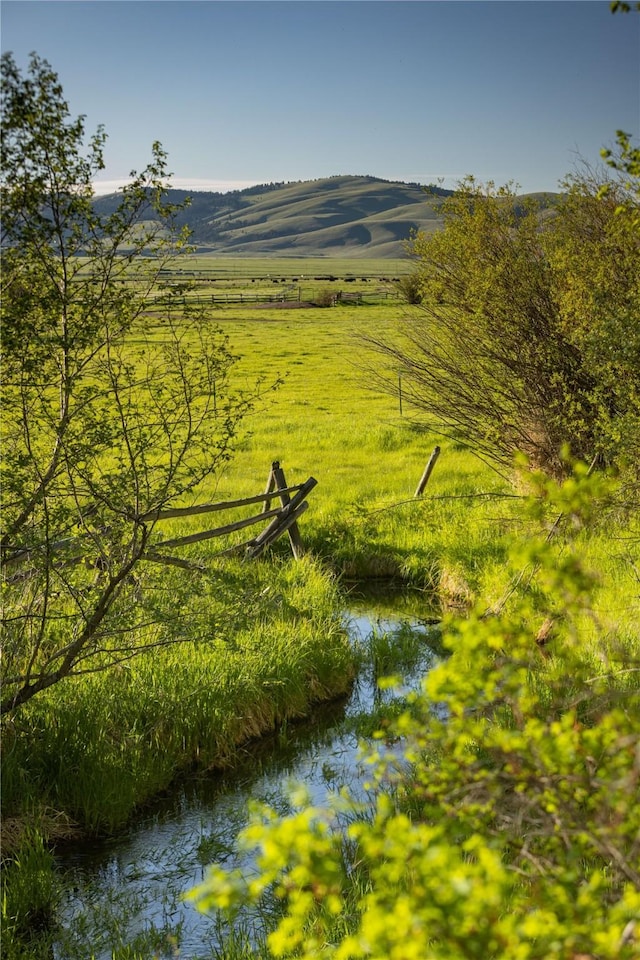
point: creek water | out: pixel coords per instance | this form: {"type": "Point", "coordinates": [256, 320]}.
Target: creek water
{"type": "Point", "coordinates": [123, 894]}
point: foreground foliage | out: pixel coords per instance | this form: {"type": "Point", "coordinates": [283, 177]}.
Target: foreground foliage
{"type": "Point", "coordinates": [506, 825]}
{"type": "Point", "coordinates": [105, 421]}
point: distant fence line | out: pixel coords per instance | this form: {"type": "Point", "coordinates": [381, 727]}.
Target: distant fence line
{"type": "Point", "coordinates": [211, 276]}
{"type": "Point", "coordinates": [285, 297]}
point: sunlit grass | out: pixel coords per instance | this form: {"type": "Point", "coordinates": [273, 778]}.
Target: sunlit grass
{"type": "Point", "coordinates": [100, 746]}
{"type": "Point", "coordinates": [367, 452]}
{"type": "Point", "coordinates": [324, 420]}
{"type": "Point", "coordinates": [271, 641]}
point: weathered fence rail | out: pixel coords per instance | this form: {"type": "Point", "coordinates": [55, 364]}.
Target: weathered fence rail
{"type": "Point", "coordinates": [283, 518]}
{"type": "Point", "coordinates": [377, 296]}
{"type": "Point", "coordinates": [285, 297]}
{"type": "Point", "coordinates": [280, 520]}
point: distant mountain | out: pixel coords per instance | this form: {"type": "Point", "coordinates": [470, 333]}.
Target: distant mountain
{"type": "Point", "coordinates": [341, 216]}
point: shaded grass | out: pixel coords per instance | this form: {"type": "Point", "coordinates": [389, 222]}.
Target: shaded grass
{"type": "Point", "coordinates": [30, 892]}
{"type": "Point", "coordinates": [99, 746]}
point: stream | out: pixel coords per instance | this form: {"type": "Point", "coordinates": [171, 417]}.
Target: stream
{"type": "Point", "coordinates": [124, 893]}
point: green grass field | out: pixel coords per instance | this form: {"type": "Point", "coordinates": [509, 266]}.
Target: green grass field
{"type": "Point", "coordinates": [268, 634]}
{"type": "Point", "coordinates": [241, 268]}
{"type": "Point", "coordinates": [324, 420]}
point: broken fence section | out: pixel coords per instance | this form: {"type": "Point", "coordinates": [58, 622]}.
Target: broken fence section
{"type": "Point", "coordinates": [284, 519]}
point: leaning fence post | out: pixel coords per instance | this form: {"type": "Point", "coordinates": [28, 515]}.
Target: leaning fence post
{"type": "Point", "coordinates": [424, 479]}
{"type": "Point", "coordinates": [297, 547]}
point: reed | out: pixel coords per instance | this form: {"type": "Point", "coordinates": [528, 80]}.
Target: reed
{"type": "Point", "coordinates": [30, 892]}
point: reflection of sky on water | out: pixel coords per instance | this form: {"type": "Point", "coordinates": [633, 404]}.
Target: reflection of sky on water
{"type": "Point", "coordinates": [127, 885]}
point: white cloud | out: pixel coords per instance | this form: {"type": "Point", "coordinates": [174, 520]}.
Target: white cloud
{"type": "Point", "coordinates": [102, 187]}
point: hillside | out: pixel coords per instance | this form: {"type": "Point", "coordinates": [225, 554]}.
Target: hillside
{"type": "Point", "coordinates": [341, 216]}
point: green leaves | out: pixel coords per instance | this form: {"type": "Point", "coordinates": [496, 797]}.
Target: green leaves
{"type": "Point", "coordinates": [119, 402]}
{"type": "Point", "coordinates": [524, 334]}
{"type": "Point", "coordinates": [513, 830]}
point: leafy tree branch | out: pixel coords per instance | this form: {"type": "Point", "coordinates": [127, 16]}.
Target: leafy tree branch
{"type": "Point", "coordinates": [117, 396]}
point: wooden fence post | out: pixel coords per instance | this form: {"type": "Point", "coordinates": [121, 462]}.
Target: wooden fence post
{"type": "Point", "coordinates": [424, 479]}
{"type": "Point", "coordinates": [271, 482]}
{"type": "Point", "coordinates": [297, 547]}
{"type": "Point", "coordinates": [283, 520]}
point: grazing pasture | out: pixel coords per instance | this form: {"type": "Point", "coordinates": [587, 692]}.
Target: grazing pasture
{"type": "Point", "coordinates": [221, 281]}
{"type": "Point", "coordinates": [324, 418]}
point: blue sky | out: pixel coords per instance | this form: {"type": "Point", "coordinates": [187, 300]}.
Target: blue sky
{"type": "Point", "coordinates": [251, 92]}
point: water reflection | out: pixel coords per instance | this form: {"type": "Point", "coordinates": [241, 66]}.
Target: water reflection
{"type": "Point", "coordinates": [127, 889]}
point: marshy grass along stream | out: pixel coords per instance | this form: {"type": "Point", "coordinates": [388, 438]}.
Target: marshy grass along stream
{"type": "Point", "coordinates": [123, 895]}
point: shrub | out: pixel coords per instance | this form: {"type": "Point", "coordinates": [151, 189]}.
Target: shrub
{"type": "Point", "coordinates": [325, 298]}
{"type": "Point", "coordinates": [526, 337]}
{"type": "Point", "coordinates": [506, 826]}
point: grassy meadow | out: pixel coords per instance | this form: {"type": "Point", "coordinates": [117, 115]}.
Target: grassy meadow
{"type": "Point", "coordinates": [270, 641]}
{"type": "Point", "coordinates": [368, 450]}
{"type": "Point", "coordinates": [318, 416]}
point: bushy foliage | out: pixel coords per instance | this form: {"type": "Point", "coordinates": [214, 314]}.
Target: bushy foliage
{"type": "Point", "coordinates": [325, 298]}
{"type": "Point", "coordinates": [594, 255]}
{"type": "Point", "coordinates": [409, 287]}
{"type": "Point", "coordinates": [115, 402]}
{"type": "Point", "coordinates": [506, 821]}
{"type": "Point", "coordinates": [526, 337]}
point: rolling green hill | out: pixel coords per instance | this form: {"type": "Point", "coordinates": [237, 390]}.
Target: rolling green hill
{"type": "Point", "coordinates": [342, 216]}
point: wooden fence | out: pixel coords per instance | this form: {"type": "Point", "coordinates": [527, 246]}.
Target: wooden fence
{"type": "Point", "coordinates": [279, 520]}
{"type": "Point", "coordinates": [287, 296]}
{"type": "Point", "coordinates": [283, 519]}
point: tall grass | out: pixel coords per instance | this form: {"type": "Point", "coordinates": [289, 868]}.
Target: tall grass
{"type": "Point", "coordinates": [30, 891]}
{"type": "Point", "coordinates": [101, 745]}
{"type": "Point", "coordinates": [266, 639]}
